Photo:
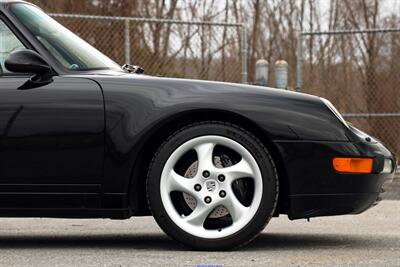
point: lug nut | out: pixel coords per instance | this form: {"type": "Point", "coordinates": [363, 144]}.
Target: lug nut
{"type": "Point", "coordinates": [207, 200]}
{"type": "Point", "coordinates": [206, 174]}
{"type": "Point", "coordinates": [221, 178]}
{"type": "Point", "coordinates": [197, 187]}
{"type": "Point", "coordinates": [222, 194]}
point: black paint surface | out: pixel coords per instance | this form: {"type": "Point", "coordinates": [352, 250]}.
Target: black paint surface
{"type": "Point", "coordinates": [79, 146]}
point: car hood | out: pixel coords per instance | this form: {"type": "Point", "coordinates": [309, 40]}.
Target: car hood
{"type": "Point", "coordinates": [202, 86]}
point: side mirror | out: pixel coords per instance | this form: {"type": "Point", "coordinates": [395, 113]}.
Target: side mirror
{"type": "Point", "coordinates": [28, 61]}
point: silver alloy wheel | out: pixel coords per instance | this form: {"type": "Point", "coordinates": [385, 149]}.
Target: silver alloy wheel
{"type": "Point", "coordinates": [209, 197]}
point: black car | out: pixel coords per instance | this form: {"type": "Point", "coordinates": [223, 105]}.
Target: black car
{"type": "Point", "coordinates": [82, 137]}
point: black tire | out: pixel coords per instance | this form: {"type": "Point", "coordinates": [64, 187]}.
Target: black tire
{"type": "Point", "coordinates": [269, 178]}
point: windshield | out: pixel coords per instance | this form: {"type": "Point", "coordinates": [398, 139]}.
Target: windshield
{"type": "Point", "coordinates": [68, 49]}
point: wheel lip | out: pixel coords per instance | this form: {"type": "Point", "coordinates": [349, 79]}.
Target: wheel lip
{"type": "Point", "coordinates": [200, 231]}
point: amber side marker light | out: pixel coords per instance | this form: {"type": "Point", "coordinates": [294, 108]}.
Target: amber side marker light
{"type": "Point", "coordinates": [353, 165]}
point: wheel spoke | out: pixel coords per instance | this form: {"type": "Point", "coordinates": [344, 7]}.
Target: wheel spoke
{"type": "Point", "coordinates": [179, 183]}
{"type": "Point", "coordinates": [205, 156]}
{"type": "Point", "coordinates": [239, 170]}
{"type": "Point", "coordinates": [199, 214]}
{"type": "Point", "coordinates": [235, 208]}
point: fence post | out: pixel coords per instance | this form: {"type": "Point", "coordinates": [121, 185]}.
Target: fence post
{"type": "Point", "coordinates": [2, 49]}
{"type": "Point", "coordinates": [281, 74]}
{"type": "Point", "coordinates": [127, 42]}
{"type": "Point", "coordinates": [262, 72]}
{"type": "Point", "coordinates": [244, 55]}
{"type": "Point", "coordinates": [299, 56]}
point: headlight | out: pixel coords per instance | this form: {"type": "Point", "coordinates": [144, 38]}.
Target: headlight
{"type": "Point", "coordinates": [388, 166]}
{"type": "Point", "coordinates": [334, 111]}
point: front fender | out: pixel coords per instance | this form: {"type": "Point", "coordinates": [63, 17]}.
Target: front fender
{"type": "Point", "coordinates": [135, 104]}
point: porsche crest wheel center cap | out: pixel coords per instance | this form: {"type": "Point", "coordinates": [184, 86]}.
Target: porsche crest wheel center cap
{"type": "Point", "coordinates": [211, 185]}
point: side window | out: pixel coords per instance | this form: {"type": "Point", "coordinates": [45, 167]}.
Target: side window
{"type": "Point", "coordinates": [8, 43]}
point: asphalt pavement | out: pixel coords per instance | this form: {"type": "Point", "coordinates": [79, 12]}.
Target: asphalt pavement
{"type": "Point", "coordinates": [369, 239]}
{"type": "Point", "coordinates": [392, 190]}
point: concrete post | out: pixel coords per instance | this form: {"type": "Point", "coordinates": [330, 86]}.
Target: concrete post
{"type": "Point", "coordinates": [262, 72]}
{"type": "Point", "coordinates": [281, 74]}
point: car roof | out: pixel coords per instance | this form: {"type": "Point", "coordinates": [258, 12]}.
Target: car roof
{"type": "Point", "coordinates": [10, 1]}
{"type": "Point", "coordinates": [4, 2]}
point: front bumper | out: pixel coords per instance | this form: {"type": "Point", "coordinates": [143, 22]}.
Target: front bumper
{"type": "Point", "coordinates": [315, 189]}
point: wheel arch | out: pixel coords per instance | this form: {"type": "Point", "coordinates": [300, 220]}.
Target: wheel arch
{"type": "Point", "coordinates": [159, 133]}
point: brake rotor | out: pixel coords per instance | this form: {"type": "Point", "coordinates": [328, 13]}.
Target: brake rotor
{"type": "Point", "coordinates": [219, 211]}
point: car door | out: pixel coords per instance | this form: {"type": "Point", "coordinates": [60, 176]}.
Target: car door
{"type": "Point", "coordinates": [51, 138]}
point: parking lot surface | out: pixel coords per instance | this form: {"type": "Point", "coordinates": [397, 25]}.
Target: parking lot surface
{"type": "Point", "coordinates": [369, 239]}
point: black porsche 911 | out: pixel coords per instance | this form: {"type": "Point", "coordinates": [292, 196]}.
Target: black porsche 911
{"type": "Point", "coordinates": [82, 137]}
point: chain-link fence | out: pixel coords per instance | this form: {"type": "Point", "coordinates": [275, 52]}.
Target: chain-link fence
{"type": "Point", "coordinates": [359, 72]}
{"type": "Point", "coordinates": [173, 48]}
{"type": "Point", "coordinates": [356, 70]}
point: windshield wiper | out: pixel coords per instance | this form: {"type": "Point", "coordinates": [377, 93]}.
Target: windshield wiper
{"type": "Point", "coordinates": [133, 69]}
